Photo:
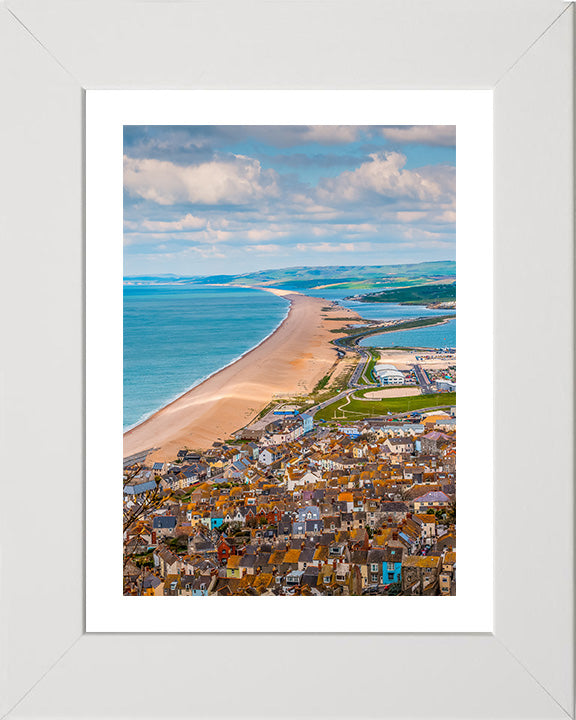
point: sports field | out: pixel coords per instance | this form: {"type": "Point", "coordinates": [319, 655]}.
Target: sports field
{"type": "Point", "coordinates": [352, 408]}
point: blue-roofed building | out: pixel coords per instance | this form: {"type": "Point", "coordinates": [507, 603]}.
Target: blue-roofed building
{"type": "Point", "coordinates": [164, 524]}
{"type": "Point", "coordinates": [310, 512]}
{"type": "Point", "coordinates": [138, 488]}
{"type": "Point", "coordinates": [158, 468]}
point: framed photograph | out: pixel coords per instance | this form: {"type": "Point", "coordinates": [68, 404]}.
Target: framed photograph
{"type": "Point", "coordinates": [301, 443]}
{"type": "Point", "coordinates": [299, 251]}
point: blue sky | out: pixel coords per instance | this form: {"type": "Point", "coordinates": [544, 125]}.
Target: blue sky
{"type": "Point", "coordinates": [232, 199]}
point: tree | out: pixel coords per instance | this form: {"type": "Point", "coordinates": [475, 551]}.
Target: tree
{"type": "Point", "coordinates": [143, 505]}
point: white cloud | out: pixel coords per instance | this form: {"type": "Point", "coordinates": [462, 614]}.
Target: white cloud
{"type": "Point", "coordinates": [188, 222]}
{"type": "Point", "coordinates": [383, 177]}
{"type": "Point", "coordinates": [327, 247]}
{"type": "Point", "coordinates": [444, 135]}
{"type": "Point", "coordinates": [235, 180]}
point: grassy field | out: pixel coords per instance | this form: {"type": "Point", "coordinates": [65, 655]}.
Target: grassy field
{"type": "Point", "coordinates": [353, 409]}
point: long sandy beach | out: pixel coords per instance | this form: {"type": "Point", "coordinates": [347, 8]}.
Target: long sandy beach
{"type": "Point", "coordinates": [291, 361]}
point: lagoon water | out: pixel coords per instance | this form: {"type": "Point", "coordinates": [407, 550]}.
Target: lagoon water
{"type": "Point", "coordinates": [175, 337]}
{"type": "Point", "coordinates": [437, 336]}
{"type": "Point", "coordinates": [433, 337]}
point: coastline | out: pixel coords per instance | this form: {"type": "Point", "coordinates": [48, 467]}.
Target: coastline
{"type": "Point", "coordinates": [291, 360]}
{"type": "Point", "coordinates": [148, 415]}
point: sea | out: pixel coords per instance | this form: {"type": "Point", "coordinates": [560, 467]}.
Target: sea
{"type": "Point", "coordinates": [175, 337]}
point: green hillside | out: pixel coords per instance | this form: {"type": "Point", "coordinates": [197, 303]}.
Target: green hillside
{"type": "Point", "coordinates": [352, 277]}
{"type": "Point", "coordinates": [416, 295]}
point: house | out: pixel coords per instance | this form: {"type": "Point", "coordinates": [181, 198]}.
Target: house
{"type": "Point", "coordinates": [293, 579]}
{"type": "Point", "coordinates": [236, 470]}
{"type": "Point", "coordinates": [420, 575]}
{"type": "Point", "coordinates": [447, 577]}
{"type": "Point", "coordinates": [392, 565]}
{"type": "Point", "coordinates": [164, 525]}
{"type": "Point", "coordinates": [433, 441]}
{"type": "Point", "coordinates": [399, 445]}
{"type": "Point", "coordinates": [428, 523]}
{"type": "Point", "coordinates": [152, 585]}
{"type": "Point", "coordinates": [305, 558]}
{"type": "Point", "coordinates": [446, 543]}
{"type": "Point", "coordinates": [233, 567]}
{"type": "Point", "coordinates": [216, 519]}
{"type": "Point", "coordinates": [166, 561]}
{"type": "Point", "coordinates": [310, 577]}
{"type": "Point", "coordinates": [308, 478]}
{"type": "Point", "coordinates": [268, 456]}
{"type": "Point", "coordinates": [200, 545]}
{"type": "Point", "coordinates": [225, 550]}
{"type": "Point", "coordinates": [132, 490]}
{"type": "Point", "coordinates": [435, 499]}
{"type": "Point", "coordinates": [195, 586]}
{"type": "Point", "coordinates": [172, 585]}
{"type": "Point", "coordinates": [310, 512]}
{"type": "Point", "coordinates": [375, 561]}
{"type": "Point", "coordinates": [313, 526]}
{"type": "Point", "coordinates": [247, 564]}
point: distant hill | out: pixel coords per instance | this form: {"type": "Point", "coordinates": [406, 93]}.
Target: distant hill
{"type": "Point", "coordinates": [416, 295]}
{"type": "Point", "coordinates": [336, 276]}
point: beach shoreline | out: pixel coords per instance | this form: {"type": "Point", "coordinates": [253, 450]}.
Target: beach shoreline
{"type": "Point", "coordinates": [290, 361]}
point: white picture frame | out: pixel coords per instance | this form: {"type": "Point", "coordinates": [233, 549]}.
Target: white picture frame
{"type": "Point", "coordinates": [53, 50]}
{"type": "Point", "coordinates": [108, 112]}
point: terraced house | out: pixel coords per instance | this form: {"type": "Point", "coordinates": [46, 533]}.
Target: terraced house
{"type": "Point", "coordinates": [360, 510]}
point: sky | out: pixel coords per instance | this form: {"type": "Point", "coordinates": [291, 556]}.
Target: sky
{"type": "Point", "coordinates": [233, 199]}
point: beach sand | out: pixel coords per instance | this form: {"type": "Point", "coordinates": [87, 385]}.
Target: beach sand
{"type": "Point", "coordinates": [291, 361]}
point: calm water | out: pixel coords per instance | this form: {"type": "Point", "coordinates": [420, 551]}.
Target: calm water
{"type": "Point", "coordinates": [439, 336]}
{"type": "Point", "coordinates": [175, 337]}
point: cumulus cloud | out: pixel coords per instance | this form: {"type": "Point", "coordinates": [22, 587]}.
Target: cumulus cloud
{"type": "Point", "coordinates": [384, 178]}
{"type": "Point", "coordinates": [444, 135]}
{"type": "Point", "coordinates": [188, 222]}
{"type": "Point", "coordinates": [203, 198]}
{"type": "Point", "coordinates": [235, 180]}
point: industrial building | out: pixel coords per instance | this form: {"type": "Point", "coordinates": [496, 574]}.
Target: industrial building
{"type": "Point", "coordinates": [388, 375]}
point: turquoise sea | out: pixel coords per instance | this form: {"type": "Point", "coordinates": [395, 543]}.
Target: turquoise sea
{"type": "Point", "coordinates": [175, 337]}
